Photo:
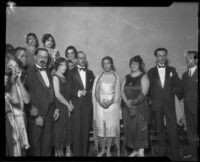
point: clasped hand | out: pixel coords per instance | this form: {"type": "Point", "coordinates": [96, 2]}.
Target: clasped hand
{"type": "Point", "coordinates": [106, 103]}
{"type": "Point", "coordinates": [129, 103]}
{"type": "Point", "coordinates": [39, 121]}
{"type": "Point", "coordinates": [82, 92]}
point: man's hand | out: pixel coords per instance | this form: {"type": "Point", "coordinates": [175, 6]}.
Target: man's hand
{"type": "Point", "coordinates": [34, 111]}
{"type": "Point", "coordinates": [70, 107]}
{"type": "Point", "coordinates": [39, 121]}
{"type": "Point", "coordinates": [56, 114]}
{"type": "Point", "coordinates": [82, 93]}
{"type": "Point", "coordinates": [128, 103]}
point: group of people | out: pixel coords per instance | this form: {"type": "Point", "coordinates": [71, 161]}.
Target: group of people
{"type": "Point", "coordinates": [54, 102]}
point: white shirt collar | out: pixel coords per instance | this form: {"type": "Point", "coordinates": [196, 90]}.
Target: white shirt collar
{"type": "Point", "coordinates": [80, 66]}
{"type": "Point", "coordinates": [192, 69]}
{"type": "Point", "coordinates": [38, 66]}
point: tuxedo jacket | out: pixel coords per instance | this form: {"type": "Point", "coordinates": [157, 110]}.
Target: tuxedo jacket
{"type": "Point", "coordinates": [75, 82]}
{"type": "Point", "coordinates": [190, 91]}
{"type": "Point", "coordinates": [163, 97]}
{"type": "Point", "coordinates": [40, 95]}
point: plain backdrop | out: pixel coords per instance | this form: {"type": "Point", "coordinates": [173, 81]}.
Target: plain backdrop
{"type": "Point", "coordinates": [119, 32]}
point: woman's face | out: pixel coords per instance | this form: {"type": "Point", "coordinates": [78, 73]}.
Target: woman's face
{"type": "Point", "coordinates": [62, 67]}
{"type": "Point", "coordinates": [31, 41]}
{"type": "Point", "coordinates": [49, 43]}
{"type": "Point", "coordinates": [12, 64]}
{"type": "Point", "coordinates": [71, 65]}
{"type": "Point", "coordinates": [23, 57]}
{"type": "Point", "coordinates": [71, 54]}
{"type": "Point", "coordinates": [134, 66]}
{"type": "Point", "coordinates": [14, 67]}
{"type": "Point", "coordinates": [107, 65]}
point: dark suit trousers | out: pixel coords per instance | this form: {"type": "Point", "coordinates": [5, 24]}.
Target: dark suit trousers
{"type": "Point", "coordinates": [171, 125]}
{"type": "Point", "coordinates": [40, 138]}
{"type": "Point", "coordinates": [191, 121]}
{"type": "Point", "coordinates": [81, 118]}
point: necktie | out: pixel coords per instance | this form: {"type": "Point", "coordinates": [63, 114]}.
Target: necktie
{"type": "Point", "coordinates": [41, 69]}
{"type": "Point", "coordinates": [82, 69]}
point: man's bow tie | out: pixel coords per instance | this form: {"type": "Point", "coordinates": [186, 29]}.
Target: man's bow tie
{"type": "Point", "coordinates": [82, 69]}
{"type": "Point", "coordinates": [41, 69]}
{"type": "Point", "coordinates": [161, 66]}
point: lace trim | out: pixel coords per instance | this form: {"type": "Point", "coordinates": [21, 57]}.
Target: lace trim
{"type": "Point", "coordinates": [115, 140]}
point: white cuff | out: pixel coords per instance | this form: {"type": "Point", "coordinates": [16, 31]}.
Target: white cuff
{"type": "Point", "coordinates": [79, 95]}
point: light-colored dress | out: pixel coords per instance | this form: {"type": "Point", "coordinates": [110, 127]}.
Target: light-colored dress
{"type": "Point", "coordinates": [106, 122]}
{"type": "Point", "coordinates": [19, 116]}
{"type": "Point", "coordinates": [15, 134]}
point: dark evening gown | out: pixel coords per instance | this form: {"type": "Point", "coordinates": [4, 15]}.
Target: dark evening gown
{"type": "Point", "coordinates": [136, 132]}
{"type": "Point", "coordinates": [62, 126]}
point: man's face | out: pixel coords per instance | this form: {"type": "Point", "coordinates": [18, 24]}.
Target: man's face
{"type": "Point", "coordinates": [191, 61]}
{"type": "Point", "coordinates": [81, 59]}
{"type": "Point", "coordinates": [23, 57]}
{"type": "Point", "coordinates": [161, 57]}
{"type": "Point", "coordinates": [42, 58]}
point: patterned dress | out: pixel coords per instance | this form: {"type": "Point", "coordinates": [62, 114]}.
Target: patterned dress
{"type": "Point", "coordinates": [107, 121]}
{"type": "Point", "coordinates": [136, 132]}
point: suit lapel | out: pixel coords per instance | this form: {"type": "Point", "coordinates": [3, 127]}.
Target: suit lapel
{"type": "Point", "coordinates": [157, 77]}
{"type": "Point", "coordinates": [87, 78]}
{"type": "Point", "coordinates": [195, 75]}
{"type": "Point", "coordinates": [166, 76]}
{"type": "Point", "coordinates": [40, 78]}
{"type": "Point", "coordinates": [78, 78]}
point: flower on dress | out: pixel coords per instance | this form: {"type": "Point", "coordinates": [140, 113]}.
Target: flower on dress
{"type": "Point", "coordinates": [171, 74]}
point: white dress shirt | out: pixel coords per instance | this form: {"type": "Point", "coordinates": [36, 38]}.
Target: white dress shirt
{"type": "Point", "coordinates": [83, 76]}
{"type": "Point", "coordinates": [44, 76]}
{"type": "Point", "coordinates": [161, 72]}
{"type": "Point", "coordinates": [192, 70]}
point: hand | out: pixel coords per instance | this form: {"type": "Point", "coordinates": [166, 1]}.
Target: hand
{"type": "Point", "coordinates": [34, 111]}
{"type": "Point", "coordinates": [7, 97]}
{"type": "Point", "coordinates": [128, 103]}
{"type": "Point", "coordinates": [39, 121]}
{"type": "Point", "coordinates": [56, 114]}
{"type": "Point", "coordinates": [105, 103]}
{"type": "Point", "coordinates": [70, 107]}
{"type": "Point", "coordinates": [83, 92]}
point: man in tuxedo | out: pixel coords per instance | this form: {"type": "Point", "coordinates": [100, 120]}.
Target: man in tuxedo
{"type": "Point", "coordinates": [42, 110]}
{"type": "Point", "coordinates": [164, 84]}
{"type": "Point", "coordinates": [81, 81]}
{"type": "Point", "coordinates": [190, 96]}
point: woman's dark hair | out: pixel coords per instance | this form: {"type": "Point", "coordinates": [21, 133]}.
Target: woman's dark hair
{"type": "Point", "coordinates": [35, 36]}
{"type": "Point", "coordinates": [160, 49]}
{"type": "Point", "coordinates": [70, 61]}
{"type": "Point", "coordinates": [71, 48]}
{"type": "Point", "coordinates": [8, 73]}
{"type": "Point", "coordinates": [140, 61]}
{"type": "Point", "coordinates": [9, 49]}
{"type": "Point", "coordinates": [16, 51]}
{"type": "Point", "coordinates": [59, 61]}
{"type": "Point", "coordinates": [110, 60]}
{"type": "Point", "coordinates": [9, 57]}
{"type": "Point", "coordinates": [46, 37]}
